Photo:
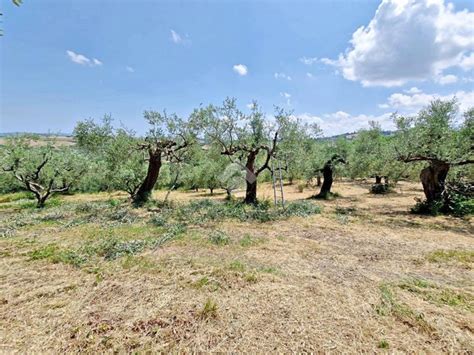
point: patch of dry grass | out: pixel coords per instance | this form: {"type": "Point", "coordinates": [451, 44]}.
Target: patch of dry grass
{"type": "Point", "coordinates": [363, 275]}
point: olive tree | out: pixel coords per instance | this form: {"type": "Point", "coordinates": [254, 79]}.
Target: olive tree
{"type": "Point", "coordinates": [168, 138]}
{"type": "Point", "coordinates": [374, 155]}
{"type": "Point", "coordinates": [42, 169]}
{"type": "Point", "coordinates": [115, 151]}
{"type": "Point", "coordinates": [244, 138]}
{"type": "Point", "coordinates": [433, 137]}
{"type": "Point", "coordinates": [295, 149]}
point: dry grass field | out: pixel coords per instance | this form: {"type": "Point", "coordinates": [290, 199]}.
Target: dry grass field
{"type": "Point", "coordinates": [90, 273]}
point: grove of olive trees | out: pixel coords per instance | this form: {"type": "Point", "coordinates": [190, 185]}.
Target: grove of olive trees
{"type": "Point", "coordinates": [221, 147]}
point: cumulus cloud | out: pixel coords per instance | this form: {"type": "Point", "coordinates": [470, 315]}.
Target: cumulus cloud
{"type": "Point", "coordinates": [447, 79]}
{"type": "Point", "coordinates": [282, 76]}
{"type": "Point", "coordinates": [240, 69]}
{"type": "Point", "coordinates": [408, 102]}
{"type": "Point", "coordinates": [82, 59]}
{"type": "Point", "coordinates": [342, 122]}
{"type": "Point", "coordinates": [309, 75]}
{"type": "Point", "coordinates": [413, 90]}
{"type": "Point", "coordinates": [412, 102]}
{"type": "Point", "coordinates": [408, 40]}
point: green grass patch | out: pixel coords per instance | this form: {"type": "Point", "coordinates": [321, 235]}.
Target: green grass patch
{"type": "Point", "coordinates": [383, 344]}
{"type": "Point", "coordinates": [219, 238]}
{"type": "Point", "coordinates": [390, 306]}
{"type": "Point", "coordinates": [248, 241]}
{"type": "Point", "coordinates": [464, 257]}
{"type": "Point", "coordinates": [237, 265]}
{"type": "Point", "coordinates": [16, 196]}
{"type": "Point", "coordinates": [438, 295]}
{"type": "Point", "coordinates": [140, 263]}
{"type": "Point", "coordinates": [56, 255]}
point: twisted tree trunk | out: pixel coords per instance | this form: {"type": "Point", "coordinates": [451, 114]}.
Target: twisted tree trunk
{"type": "Point", "coordinates": [146, 188]}
{"type": "Point", "coordinates": [433, 179]}
{"type": "Point", "coordinates": [251, 180]}
{"type": "Point", "coordinates": [327, 180]}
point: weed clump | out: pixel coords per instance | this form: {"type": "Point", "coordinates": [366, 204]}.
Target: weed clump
{"type": "Point", "coordinates": [219, 238]}
{"type": "Point", "coordinates": [209, 310]}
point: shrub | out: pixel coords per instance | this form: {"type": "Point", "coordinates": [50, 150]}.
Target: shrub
{"type": "Point", "coordinates": [379, 189]}
{"type": "Point", "coordinates": [424, 207]}
{"type": "Point", "coordinates": [457, 199]}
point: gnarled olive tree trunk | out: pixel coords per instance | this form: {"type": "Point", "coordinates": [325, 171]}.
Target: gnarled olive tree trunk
{"type": "Point", "coordinates": [251, 179]}
{"type": "Point", "coordinates": [433, 179]}
{"type": "Point", "coordinates": [327, 180]}
{"type": "Point", "coordinates": [146, 188]}
{"type": "Point", "coordinates": [328, 171]}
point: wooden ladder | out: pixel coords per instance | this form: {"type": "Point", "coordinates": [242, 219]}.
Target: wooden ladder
{"type": "Point", "coordinates": [279, 198]}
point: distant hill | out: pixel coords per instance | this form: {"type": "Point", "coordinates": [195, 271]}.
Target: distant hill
{"type": "Point", "coordinates": [10, 134]}
{"type": "Point", "coordinates": [59, 139]}
{"type": "Point", "coordinates": [351, 135]}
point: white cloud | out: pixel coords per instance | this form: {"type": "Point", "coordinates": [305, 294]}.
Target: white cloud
{"type": "Point", "coordinates": [411, 103]}
{"type": "Point", "coordinates": [130, 69]}
{"type": "Point", "coordinates": [82, 59]}
{"type": "Point", "coordinates": [240, 69]}
{"type": "Point", "coordinates": [282, 76]}
{"type": "Point", "coordinates": [176, 37]}
{"type": "Point", "coordinates": [342, 122]}
{"type": "Point", "coordinates": [408, 40]}
{"type": "Point", "coordinates": [309, 75]}
{"type": "Point", "coordinates": [447, 79]}
{"type": "Point", "coordinates": [287, 97]}
{"type": "Point", "coordinates": [467, 62]}
{"type": "Point", "coordinates": [413, 90]}
{"type": "Point", "coordinates": [308, 61]}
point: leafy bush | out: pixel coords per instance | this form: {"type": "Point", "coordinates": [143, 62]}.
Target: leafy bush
{"type": "Point", "coordinates": [424, 207]}
{"type": "Point", "coordinates": [379, 189]}
{"type": "Point", "coordinates": [457, 199]}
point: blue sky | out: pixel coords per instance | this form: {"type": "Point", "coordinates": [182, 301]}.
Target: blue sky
{"type": "Point", "coordinates": [64, 61]}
